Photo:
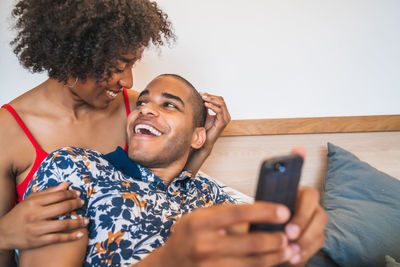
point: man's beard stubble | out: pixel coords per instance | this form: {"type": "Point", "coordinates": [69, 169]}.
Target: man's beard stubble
{"type": "Point", "coordinates": [173, 151]}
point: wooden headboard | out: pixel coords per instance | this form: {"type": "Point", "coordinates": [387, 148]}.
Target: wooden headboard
{"type": "Point", "coordinates": [237, 155]}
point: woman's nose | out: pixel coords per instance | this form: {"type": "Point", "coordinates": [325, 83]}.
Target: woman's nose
{"type": "Point", "coordinates": [127, 79]}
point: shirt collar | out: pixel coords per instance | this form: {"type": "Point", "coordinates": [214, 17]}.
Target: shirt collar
{"type": "Point", "coordinates": [120, 160]}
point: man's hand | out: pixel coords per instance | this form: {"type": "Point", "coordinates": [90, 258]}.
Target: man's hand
{"type": "Point", "coordinates": [214, 126]}
{"type": "Point", "coordinates": [200, 238]}
{"type": "Point", "coordinates": [29, 225]}
{"type": "Point", "coordinates": [306, 229]}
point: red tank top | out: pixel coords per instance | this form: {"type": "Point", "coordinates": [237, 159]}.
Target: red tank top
{"type": "Point", "coordinates": [40, 153]}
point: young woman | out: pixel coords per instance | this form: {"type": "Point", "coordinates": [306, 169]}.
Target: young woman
{"type": "Point", "coordinates": [88, 49]}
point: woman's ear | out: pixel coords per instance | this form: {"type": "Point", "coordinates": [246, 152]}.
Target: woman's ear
{"type": "Point", "coordinates": [199, 137]}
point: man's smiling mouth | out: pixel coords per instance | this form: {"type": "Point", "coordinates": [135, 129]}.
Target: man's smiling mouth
{"type": "Point", "coordinates": [146, 129]}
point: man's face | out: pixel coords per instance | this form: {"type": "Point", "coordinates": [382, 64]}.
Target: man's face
{"type": "Point", "coordinates": [161, 128]}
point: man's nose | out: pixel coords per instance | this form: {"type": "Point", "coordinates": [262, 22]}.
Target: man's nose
{"type": "Point", "coordinates": [127, 79]}
{"type": "Point", "coordinates": [149, 109]}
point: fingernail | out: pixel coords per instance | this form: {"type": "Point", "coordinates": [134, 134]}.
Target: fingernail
{"type": "Point", "coordinates": [295, 259]}
{"type": "Point", "coordinates": [282, 213]}
{"type": "Point", "coordinates": [295, 248]}
{"type": "Point", "coordinates": [204, 95]}
{"type": "Point", "coordinates": [288, 253]}
{"type": "Point", "coordinates": [82, 201]}
{"type": "Point", "coordinates": [293, 231]}
{"type": "Point", "coordinates": [78, 193]}
{"type": "Point", "coordinates": [86, 221]}
{"type": "Point", "coordinates": [79, 235]}
{"type": "Point", "coordinates": [222, 232]}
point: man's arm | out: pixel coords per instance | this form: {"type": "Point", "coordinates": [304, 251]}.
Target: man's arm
{"type": "Point", "coordinates": [215, 124]}
{"type": "Point", "coordinates": [200, 238]}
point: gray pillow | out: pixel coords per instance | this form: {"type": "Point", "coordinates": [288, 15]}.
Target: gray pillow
{"type": "Point", "coordinates": [363, 208]}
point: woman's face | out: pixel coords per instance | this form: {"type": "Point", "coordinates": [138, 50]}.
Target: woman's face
{"type": "Point", "coordinates": [100, 94]}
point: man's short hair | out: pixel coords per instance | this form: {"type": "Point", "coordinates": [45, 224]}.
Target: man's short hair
{"type": "Point", "coordinates": [199, 110]}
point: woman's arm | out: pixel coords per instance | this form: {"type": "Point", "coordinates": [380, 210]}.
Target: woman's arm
{"type": "Point", "coordinates": [68, 254]}
{"type": "Point", "coordinates": [29, 224]}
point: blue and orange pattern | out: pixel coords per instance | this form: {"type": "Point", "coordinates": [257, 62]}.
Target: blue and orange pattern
{"type": "Point", "coordinates": [129, 216]}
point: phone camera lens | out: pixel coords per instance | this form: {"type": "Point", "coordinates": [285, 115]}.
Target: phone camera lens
{"type": "Point", "coordinates": [279, 167]}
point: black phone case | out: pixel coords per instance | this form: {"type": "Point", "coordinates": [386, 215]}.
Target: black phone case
{"type": "Point", "coordinates": [278, 182]}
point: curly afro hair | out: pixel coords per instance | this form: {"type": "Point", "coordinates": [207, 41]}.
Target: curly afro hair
{"type": "Point", "coordinates": [85, 38]}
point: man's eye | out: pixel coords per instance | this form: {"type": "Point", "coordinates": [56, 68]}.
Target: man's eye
{"type": "Point", "coordinates": [119, 70]}
{"type": "Point", "coordinates": [140, 103]}
{"type": "Point", "coordinates": [170, 105]}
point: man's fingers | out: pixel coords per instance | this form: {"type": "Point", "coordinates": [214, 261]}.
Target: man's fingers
{"type": "Point", "coordinates": [59, 209]}
{"type": "Point", "coordinates": [213, 107]}
{"type": "Point", "coordinates": [265, 260]}
{"type": "Point", "coordinates": [213, 99]}
{"type": "Point", "coordinates": [58, 196]}
{"type": "Point", "coordinates": [306, 205]}
{"type": "Point", "coordinates": [54, 226]}
{"type": "Point", "coordinates": [240, 245]}
{"type": "Point", "coordinates": [299, 151]}
{"type": "Point", "coordinates": [222, 216]}
{"type": "Point", "coordinates": [212, 102]}
{"type": "Point", "coordinates": [313, 237]}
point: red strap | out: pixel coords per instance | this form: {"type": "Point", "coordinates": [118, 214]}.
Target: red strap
{"type": "Point", "coordinates": [40, 153]}
{"type": "Point", "coordinates": [126, 98]}
{"type": "Point", "coordinates": [22, 125]}
{"type": "Point", "coordinates": [128, 109]}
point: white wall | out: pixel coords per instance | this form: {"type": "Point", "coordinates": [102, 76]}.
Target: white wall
{"type": "Point", "coordinates": [270, 58]}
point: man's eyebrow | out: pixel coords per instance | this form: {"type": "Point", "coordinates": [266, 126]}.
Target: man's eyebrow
{"type": "Point", "coordinates": [144, 92]}
{"type": "Point", "coordinates": [170, 96]}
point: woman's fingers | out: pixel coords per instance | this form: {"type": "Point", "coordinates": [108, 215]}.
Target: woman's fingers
{"type": "Point", "coordinates": [58, 196]}
{"type": "Point", "coordinates": [54, 226]}
{"type": "Point", "coordinates": [58, 238]}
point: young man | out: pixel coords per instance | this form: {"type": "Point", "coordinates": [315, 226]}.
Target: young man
{"type": "Point", "coordinates": [132, 201]}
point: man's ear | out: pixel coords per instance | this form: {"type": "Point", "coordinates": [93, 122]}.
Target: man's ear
{"type": "Point", "coordinates": [199, 137]}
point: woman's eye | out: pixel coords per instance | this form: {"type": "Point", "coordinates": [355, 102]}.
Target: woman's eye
{"type": "Point", "coordinates": [119, 70]}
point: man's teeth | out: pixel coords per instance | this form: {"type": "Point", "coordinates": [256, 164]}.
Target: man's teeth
{"type": "Point", "coordinates": [140, 127]}
{"type": "Point", "coordinates": [111, 93]}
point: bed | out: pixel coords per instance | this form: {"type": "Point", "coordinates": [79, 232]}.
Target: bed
{"type": "Point", "coordinates": [359, 180]}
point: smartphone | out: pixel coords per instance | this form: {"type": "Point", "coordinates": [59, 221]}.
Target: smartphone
{"type": "Point", "coordinates": [278, 182]}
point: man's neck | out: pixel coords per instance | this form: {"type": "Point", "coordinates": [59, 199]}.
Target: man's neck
{"type": "Point", "coordinates": [169, 173]}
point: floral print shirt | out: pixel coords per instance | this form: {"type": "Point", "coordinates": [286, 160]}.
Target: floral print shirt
{"type": "Point", "coordinates": [129, 216]}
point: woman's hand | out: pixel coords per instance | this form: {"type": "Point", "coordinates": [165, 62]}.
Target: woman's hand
{"type": "Point", "coordinates": [214, 125]}
{"type": "Point", "coordinates": [29, 224]}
